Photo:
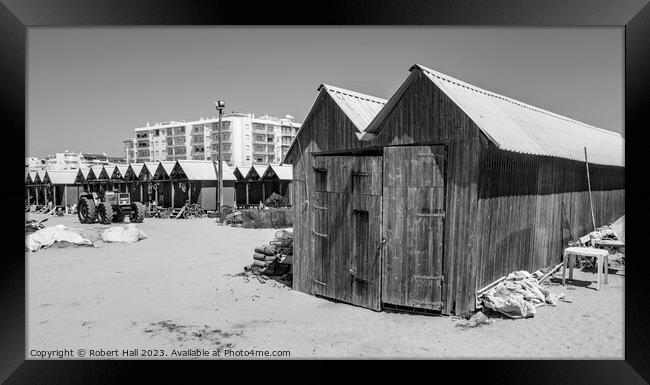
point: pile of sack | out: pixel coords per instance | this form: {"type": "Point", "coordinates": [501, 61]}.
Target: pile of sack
{"type": "Point", "coordinates": [518, 295]}
{"type": "Point", "coordinates": [47, 236]}
{"type": "Point", "coordinates": [128, 233]}
{"type": "Point", "coordinates": [275, 258]}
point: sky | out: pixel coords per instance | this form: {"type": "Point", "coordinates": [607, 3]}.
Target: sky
{"type": "Point", "coordinates": [89, 88]}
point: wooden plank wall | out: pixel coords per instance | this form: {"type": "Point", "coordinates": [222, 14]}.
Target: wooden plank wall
{"type": "Point", "coordinates": [521, 224]}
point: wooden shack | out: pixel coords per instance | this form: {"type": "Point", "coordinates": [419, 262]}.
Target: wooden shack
{"type": "Point", "coordinates": [196, 181]}
{"type": "Point", "coordinates": [444, 190]}
{"type": "Point", "coordinates": [133, 183]}
{"type": "Point", "coordinates": [164, 184]}
{"type": "Point", "coordinates": [148, 189]}
{"type": "Point", "coordinates": [277, 180]}
{"type": "Point", "coordinates": [117, 177]}
{"type": "Point", "coordinates": [65, 192]}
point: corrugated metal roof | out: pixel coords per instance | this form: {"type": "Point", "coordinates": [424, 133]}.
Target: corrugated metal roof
{"type": "Point", "coordinates": [198, 169]}
{"type": "Point", "coordinates": [121, 168]}
{"type": "Point", "coordinates": [41, 175]}
{"type": "Point", "coordinates": [168, 166]}
{"type": "Point", "coordinates": [283, 172]}
{"type": "Point", "coordinates": [360, 108]}
{"type": "Point", "coordinates": [228, 172]}
{"type": "Point", "coordinates": [62, 176]}
{"type": "Point", "coordinates": [259, 169]}
{"type": "Point", "coordinates": [136, 168]}
{"type": "Point", "coordinates": [516, 126]}
{"type": "Point", "coordinates": [97, 171]}
{"type": "Point", "coordinates": [32, 175]}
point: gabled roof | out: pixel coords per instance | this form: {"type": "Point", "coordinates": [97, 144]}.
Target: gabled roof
{"type": "Point", "coordinates": [97, 171]}
{"type": "Point", "coordinates": [164, 169]}
{"type": "Point", "coordinates": [28, 178]}
{"type": "Point", "coordinates": [516, 126]}
{"type": "Point", "coordinates": [196, 169]}
{"type": "Point", "coordinates": [40, 176]}
{"type": "Point", "coordinates": [256, 169]}
{"type": "Point", "coordinates": [134, 170]}
{"type": "Point", "coordinates": [119, 171]}
{"type": "Point", "coordinates": [148, 169]}
{"type": "Point", "coordinates": [359, 108]}
{"type": "Point", "coordinates": [238, 173]}
{"type": "Point", "coordinates": [282, 172]}
{"type": "Point", "coordinates": [62, 176]}
{"type": "Point", "coordinates": [228, 172]}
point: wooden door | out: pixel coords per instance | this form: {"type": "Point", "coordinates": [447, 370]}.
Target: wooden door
{"type": "Point", "coordinates": [346, 236]}
{"type": "Point", "coordinates": [413, 225]}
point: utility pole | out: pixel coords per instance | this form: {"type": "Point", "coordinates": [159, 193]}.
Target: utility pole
{"type": "Point", "coordinates": [220, 105]}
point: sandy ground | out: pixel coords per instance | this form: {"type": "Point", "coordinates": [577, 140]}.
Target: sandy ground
{"type": "Point", "coordinates": [174, 290]}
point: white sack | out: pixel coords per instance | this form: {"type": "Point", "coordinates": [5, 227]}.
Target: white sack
{"type": "Point", "coordinates": [123, 234]}
{"type": "Point", "coordinates": [47, 236]}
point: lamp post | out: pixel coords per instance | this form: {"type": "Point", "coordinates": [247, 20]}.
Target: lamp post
{"type": "Point", "coordinates": [220, 105]}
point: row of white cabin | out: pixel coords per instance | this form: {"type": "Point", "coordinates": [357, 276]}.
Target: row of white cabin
{"type": "Point", "coordinates": [169, 183]}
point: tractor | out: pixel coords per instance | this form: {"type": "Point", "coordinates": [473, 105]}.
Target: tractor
{"type": "Point", "coordinates": [113, 206]}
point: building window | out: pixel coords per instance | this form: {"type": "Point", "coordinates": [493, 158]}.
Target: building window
{"type": "Point", "coordinates": [259, 148]}
{"type": "Point", "coordinates": [179, 140]}
{"type": "Point", "coordinates": [259, 159]}
{"type": "Point", "coordinates": [259, 126]}
{"type": "Point", "coordinates": [198, 138]}
{"type": "Point", "coordinates": [170, 141]}
{"type": "Point", "coordinates": [179, 130]}
{"type": "Point", "coordinates": [169, 130]}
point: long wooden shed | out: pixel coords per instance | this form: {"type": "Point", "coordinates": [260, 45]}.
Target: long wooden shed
{"type": "Point", "coordinates": [444, 190]}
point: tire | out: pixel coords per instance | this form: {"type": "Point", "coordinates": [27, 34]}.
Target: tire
{"type": "Point", "coordinates": [86, 210]}
{"type": "Point", "coordinates": [105, 213]}
{"type": "Point", "coordinates": [137, 213]}
{"type": "Point", "coordinates": [118, 215]}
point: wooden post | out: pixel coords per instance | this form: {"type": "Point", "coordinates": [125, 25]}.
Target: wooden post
{"type": "Point", "coordinates": [247, 186]}
{"type": "Point", "coordinates": [591, 204]}
{"type": "Point", "coordinates": [53, 195]}
{"type": "Point", "coordinates": [29, 200]}
{"type": "Point", "coordinates": [65, 197]}
{"type": "Point", "coordinates": [172, 194]}
{"type": "Point", "coordinates": [37, 194]}
{"type": "Point", "coordinates": [189, 191]}
{"type": "Point", "coordinates": [141, 194]}
{"type": "Point", "coordinates": [263, 191]}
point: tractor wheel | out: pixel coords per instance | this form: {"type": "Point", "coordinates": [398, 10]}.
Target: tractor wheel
{"type": "Point", "coordinates": [86, 210]}
{"type": "Point", "coordinates": [118, 215]}
{"type": "Point", "coordinates": [105, 213]}
{"type": "Point", "coordinates": [137, 212]}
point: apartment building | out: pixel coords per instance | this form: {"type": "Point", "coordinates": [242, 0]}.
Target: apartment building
{"type": "Point", "coordinates": [245, 140]}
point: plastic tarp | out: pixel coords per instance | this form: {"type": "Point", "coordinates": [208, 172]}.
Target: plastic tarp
{"type": "Point", "coordinates": [518, 295]}
{"type": "Point", "coordinates": [48, 236]}
{"type": "Point", "coordinates": [125, 234]}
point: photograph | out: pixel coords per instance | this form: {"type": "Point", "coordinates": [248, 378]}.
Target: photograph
{"type": "Point", "coordinates": [310, 192]}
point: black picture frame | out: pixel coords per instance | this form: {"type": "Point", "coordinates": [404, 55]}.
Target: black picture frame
{"type": "Point", "coordinates": [632, 15]}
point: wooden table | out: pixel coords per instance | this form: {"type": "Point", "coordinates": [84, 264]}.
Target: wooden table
{"type": "Point", "coordinates": [569, 258]}
{"type": "Point", "coordinates": [609, 244]}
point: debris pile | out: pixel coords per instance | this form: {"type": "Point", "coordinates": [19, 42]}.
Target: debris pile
{"type": "Point", "coordinates": [276, 200]}
{"type": "Point", "coordinates": [234, 219]}
{"type": "Point", "coordinates": [275, 218]}
{"type": "Point", "coordinates": [274, 259]}
{"type": "Point", "coordinates": [518, 295]}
